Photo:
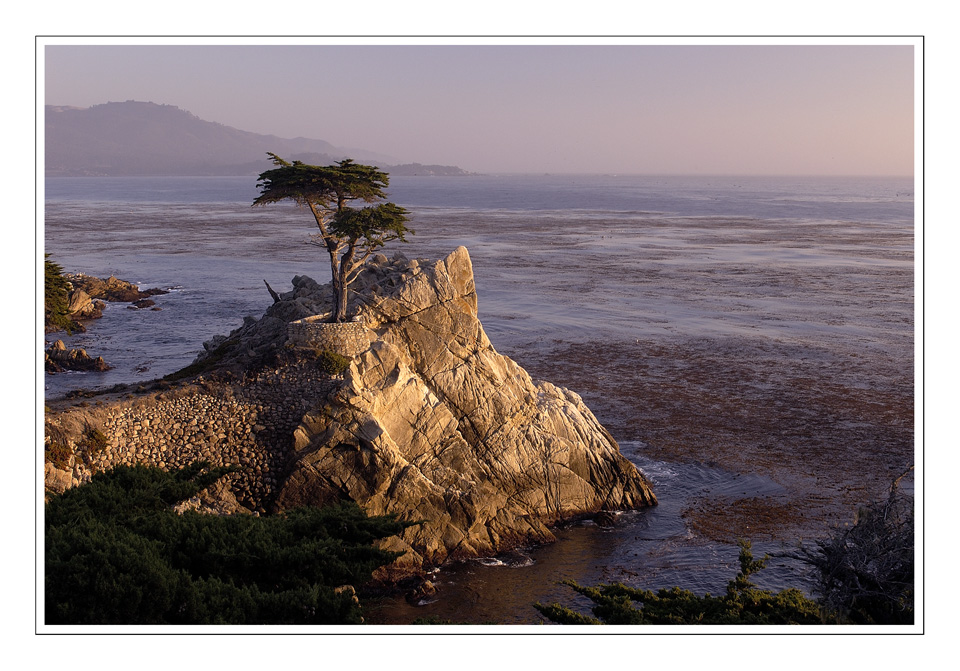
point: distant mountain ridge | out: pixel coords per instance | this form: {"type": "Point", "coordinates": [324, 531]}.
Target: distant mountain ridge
{"type": "Point", "coordinates": [147, 139]}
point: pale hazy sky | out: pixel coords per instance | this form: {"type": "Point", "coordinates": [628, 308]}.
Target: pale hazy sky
{"type": "Point", "coordinates": [721, 109]}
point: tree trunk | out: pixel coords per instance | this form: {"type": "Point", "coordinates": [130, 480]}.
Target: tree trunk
{"type": "Point", "coordinates": [341, 282]}
{"type": "Point", "coordinates": [339, 294]}
{"type": "Point", "coordinates": [339, 301]}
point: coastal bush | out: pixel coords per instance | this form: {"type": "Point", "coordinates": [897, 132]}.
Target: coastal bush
{"type": "Point", "coordinates": [117, 553]}
{"type": "Point", "coordinates": [55, 295]}
{"type": "Point", "coordinates": [93, 443]}
{"type": "Point", "coordinates": [57, 450]}
{"type": "Point", "coordinates": [742, 604]}
{"type": "Point", "coordinates": [431, 620]}
{"type": "Point", "coordinates": [864, 573]}
{"type": "Point", "coordinates": [332, 363]}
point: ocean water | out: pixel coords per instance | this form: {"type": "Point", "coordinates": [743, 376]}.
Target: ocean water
{"type": "Point", "coordinates": [727, 330]}
{"type": "Point", "coordinates": [566, 257]}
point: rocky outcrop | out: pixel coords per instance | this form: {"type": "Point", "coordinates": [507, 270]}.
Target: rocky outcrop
{"type": "Point", "coordinates": [81, 307]}
{"type": "Point", "coordinates": [57, 358]}
{"type": "Point", "coordinates": [85, 301]}
{"type": "Point", "coordinates": [111, 289]}
{"type": "Point", "coordinates": [429, 422]}
{"type": "Point", "coordinates": [434, 425]}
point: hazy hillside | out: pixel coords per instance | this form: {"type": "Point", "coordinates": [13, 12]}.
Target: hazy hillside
{"type": "Point", "coordinates": [142, 138]}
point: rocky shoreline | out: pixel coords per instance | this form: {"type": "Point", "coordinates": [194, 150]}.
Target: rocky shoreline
{"type": "Point", "coordinates": [86, 296]}
{"type": "Point", "coordinates": [428, 422]}
{"type": "Point", "coordinates": [111, 289]}
{"type": "Point", "coordinates": [85, 302]}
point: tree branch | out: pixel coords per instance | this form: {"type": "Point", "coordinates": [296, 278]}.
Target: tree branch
{"type": "Point", "coordinates": [274, 294]}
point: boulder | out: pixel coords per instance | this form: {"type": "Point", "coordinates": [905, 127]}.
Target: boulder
{"type": "Point", "coordinates": [56, 480]}
{"type": "Point", "coordinates": [259, 341]}
{"type": "Point", "coordinates": [81, 306]}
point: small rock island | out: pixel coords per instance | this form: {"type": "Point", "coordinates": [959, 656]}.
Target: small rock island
{"type": "Point", "coordinates": [422, 418]}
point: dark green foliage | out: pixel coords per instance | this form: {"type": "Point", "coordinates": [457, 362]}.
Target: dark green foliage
{"type": "Point", "coordinates": [116, 553]}
{"type": "Point", "coordinates": [55, 294]}
{"type": "Point", "coordinates": [436, 620]}
{"type": "Point", "coordinates": [350, 236]}
{"type": "Point", "coordinates": [742, 604]}
{"type": "Point", "coordinates": [376, 225]}
{"type": "Point", "coordinates": [332, 363]}
{"type": "Point", "coordinates": [329, 187]}
{"type": "Point", "coordinates": [865, 572]}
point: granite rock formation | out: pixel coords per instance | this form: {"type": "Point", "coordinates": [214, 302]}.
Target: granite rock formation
{"type": "Point", "coordinates": [433, 424]}
{"type": "Point", "coordinates": [81, 307]}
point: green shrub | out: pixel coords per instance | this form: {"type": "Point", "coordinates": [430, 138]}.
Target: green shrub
{"type": "Point", "coordinates": [742, 604]}
{"type": "Point", "coordinates": [332, 363]}
{"type": "Point", "coordinates": [863, 574]}
{"type": "Point", "coordinates": [58, 452]}
{"type": "Point", "coordinates": [116, 553]}
{"type": "Point", "coordinates": [93, 443]}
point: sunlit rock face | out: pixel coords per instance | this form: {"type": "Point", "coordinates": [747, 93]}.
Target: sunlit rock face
{"type": "Point", "coordinates": [433, 424]}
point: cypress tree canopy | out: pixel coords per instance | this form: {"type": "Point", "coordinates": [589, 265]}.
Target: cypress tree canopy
{"type": "Point", "coordinates": [349, 235]}
{"type": "Point", "coordinates": [329, 187]}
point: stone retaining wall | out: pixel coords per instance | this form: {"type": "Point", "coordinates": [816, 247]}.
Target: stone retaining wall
{"type": "Point", "coordinates": [249, 424]}
{"type": "Point", "coordinates": [345, 338]}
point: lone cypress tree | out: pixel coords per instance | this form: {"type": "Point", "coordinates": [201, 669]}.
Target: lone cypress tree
{"type": "Point", "coordinates": [349, 235]}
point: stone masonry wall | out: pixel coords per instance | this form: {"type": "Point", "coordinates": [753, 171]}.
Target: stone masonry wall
{"type": "Point", "coordinates": [249, 424]}
{"type": "Point", "coordinates": [346, 338]}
